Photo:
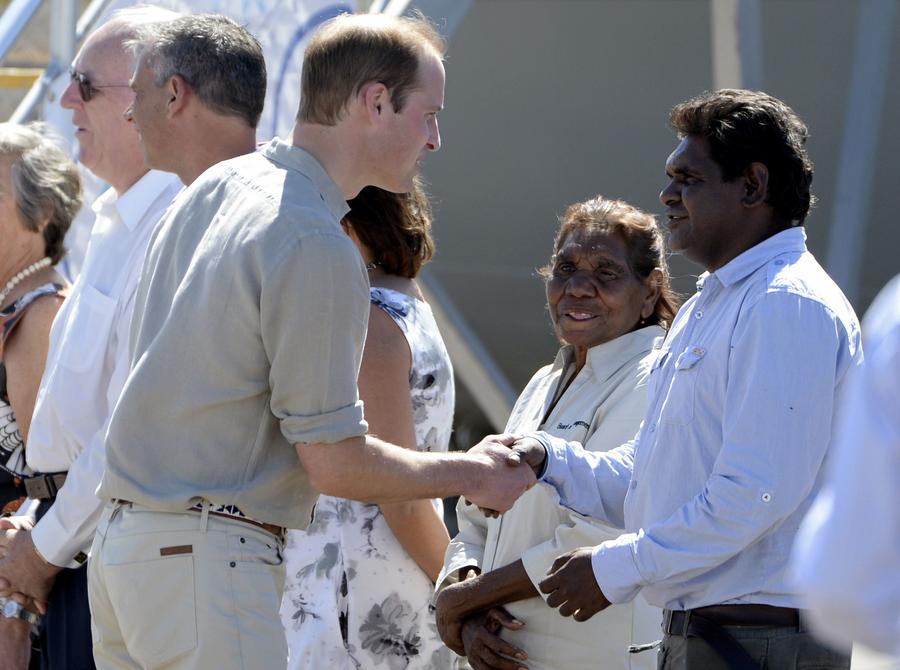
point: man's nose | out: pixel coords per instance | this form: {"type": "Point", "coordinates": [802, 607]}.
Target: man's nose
{"type": "Point", "coordinates": [434, 138]}
{"type": "Point", "coordinates": [669, 195]}
{"type": "Point", "coordinates": [70, 97]}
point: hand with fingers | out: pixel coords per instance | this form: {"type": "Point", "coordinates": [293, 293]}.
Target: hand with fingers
{"type": "Point", "coordinates": [9, 526]}
{"type": "Point", "coordinates": [521, 450]}
{"type": "Point", "coordinates": [529, 451]}
{"type": "Point", "coordinates": [572, 587]}
{"type": "Point", "coordinates": [450, 611]}
{"type": "Point", "coordinates": [501, 481]}
{"type": "Point", "coordinates": [484, 647]}
{"type": "Point", "coordinates": [25, 574]}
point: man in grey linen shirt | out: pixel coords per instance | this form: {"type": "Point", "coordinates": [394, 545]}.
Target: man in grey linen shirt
{"type": "Point", "coordinates": [741, 402]}
{"type": "Point", "coordinates": [242, 401]}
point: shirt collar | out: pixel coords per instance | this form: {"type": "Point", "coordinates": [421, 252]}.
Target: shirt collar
{"type": "Point", "coordinates": [291, 156]}
{"type": "Point", "coordinates": [605, 359]}
{"type": "Point", "coordinates": [792, 240]}
{"type": "Point", "coordinates": [132, 205]}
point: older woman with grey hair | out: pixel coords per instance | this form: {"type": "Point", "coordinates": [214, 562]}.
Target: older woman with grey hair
{"type": "Point", "coordinates": [40, 193]}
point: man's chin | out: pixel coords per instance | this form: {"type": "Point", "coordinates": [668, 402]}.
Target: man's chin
{"type": "Point", "coordinates": [396, 187]}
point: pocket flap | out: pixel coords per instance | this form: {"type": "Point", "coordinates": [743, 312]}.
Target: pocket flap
{"type": "Point", "coordinates": [87, 332]}
{"type": "Point", "coordinates": [689, 357]}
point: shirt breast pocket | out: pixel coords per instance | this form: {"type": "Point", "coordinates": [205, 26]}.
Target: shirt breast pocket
{"type": "Point", "coordinates": [678, 409]}
{"type": "Point", "coordinates": [87, 332]}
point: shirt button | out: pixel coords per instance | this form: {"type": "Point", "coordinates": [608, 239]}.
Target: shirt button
{"type": "Point", "coordinates": [652, 427]}
{"type": "Point", "coordinates": [779, 262]}
{"type": "Point", "coordinates": [633, 485]}
{"type": "Point", "coordinates": [698, 314]}
{"type": "Point", "coordinates": [766, 497]}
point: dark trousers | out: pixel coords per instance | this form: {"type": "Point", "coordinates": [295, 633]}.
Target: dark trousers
{"type": "Point", "coordinates": [67, 625]}
{"type": "Point", "coordinates": [771, 648]}
{"type": "Point", "coordinates": [65, 642]}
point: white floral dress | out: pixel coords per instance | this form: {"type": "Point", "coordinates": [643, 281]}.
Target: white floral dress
{"type": "Point", "coordinates": [353, 598]}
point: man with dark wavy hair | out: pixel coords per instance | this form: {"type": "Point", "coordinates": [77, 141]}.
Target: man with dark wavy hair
{"type": "Point", "coordinates": [728, 459]}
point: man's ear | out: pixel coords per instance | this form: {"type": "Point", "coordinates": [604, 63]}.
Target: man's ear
{"type": "Point", "coordinates": [177, 91]}
{"type": "Point", "coordinates": [376, 99]}
{"type": "Point", "coordinates": [756, 185]}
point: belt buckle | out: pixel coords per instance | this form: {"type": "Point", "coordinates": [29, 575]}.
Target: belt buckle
{"type": "Point", "coordinates": [40, 487]}
{"type": "Point", "coordinates": [667, 622]}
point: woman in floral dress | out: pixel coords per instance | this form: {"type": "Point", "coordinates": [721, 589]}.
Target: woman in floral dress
{"type": "Point", "coordinates": [360, 577]}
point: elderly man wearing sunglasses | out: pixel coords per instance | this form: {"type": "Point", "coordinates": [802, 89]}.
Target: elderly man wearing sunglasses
{"type": "Point", "coordinates": [88, 89]}
{"type": "Point", "coordinates": [87, 360]}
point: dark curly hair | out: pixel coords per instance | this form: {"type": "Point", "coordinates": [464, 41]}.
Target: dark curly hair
{"type": "Point", "coordinates": [744, 127]}
{"type": "Point", "coordinates": [396, 228]}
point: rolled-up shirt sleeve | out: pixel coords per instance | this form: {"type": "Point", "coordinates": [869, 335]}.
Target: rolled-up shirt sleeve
{"type": "Point", "coordinates": [787, 357]}
{"type": "Point", "coordinates": [314, 308]}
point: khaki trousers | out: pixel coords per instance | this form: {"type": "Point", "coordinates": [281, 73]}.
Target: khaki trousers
{"type": "Point", "coordinates": [184, 591]}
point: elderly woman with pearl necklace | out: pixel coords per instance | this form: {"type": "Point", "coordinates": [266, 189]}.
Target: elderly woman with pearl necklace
{"type": "Point", "coordinates": [40, 194]}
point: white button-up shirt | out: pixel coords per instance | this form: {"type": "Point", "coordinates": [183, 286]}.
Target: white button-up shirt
{"type": "Point", "coordinates": [88, 361]}
{"type": "Point", "coordinates": [847, 559]}
{"type": "Point", "coordinates": [728, 457]}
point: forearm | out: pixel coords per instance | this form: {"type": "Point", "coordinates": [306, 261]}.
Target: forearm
{"type": "Point", "coordinates": [15, 644]}
{"type": "Point", "coordinates": [371, 470]}
{"type": "Point", "coordinates": [590, 483]}
{"type": "Point", "coordinates": [497, 587]}
{"type": "Point", "coordinates": [421, 532]}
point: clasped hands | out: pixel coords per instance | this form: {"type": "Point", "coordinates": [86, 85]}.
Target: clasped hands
{"type": "Point", "coordinates": [470, 616]}
{"type": "Point", "coordinates": [513, 464]}
{"type": "Point", "coordinates": [24, 574]}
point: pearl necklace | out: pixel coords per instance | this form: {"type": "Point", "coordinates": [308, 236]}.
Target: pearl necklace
{"type": "Point", "coordinates": [18, 277]}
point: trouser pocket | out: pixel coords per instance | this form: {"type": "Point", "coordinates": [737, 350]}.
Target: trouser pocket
{"type": "Point", "coordinates": [154, 602]}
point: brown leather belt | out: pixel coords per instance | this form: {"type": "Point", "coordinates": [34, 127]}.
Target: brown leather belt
{"type": "Point", "coordinates": [676, 622]}
{"type": "Point", "coordinates": [277, 531]}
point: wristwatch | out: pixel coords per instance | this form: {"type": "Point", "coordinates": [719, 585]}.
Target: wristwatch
{"type": "Point", "coordinates": [13, 610]}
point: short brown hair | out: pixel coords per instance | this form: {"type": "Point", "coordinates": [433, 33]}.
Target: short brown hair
{"type": "Point", "coordinates": [744, 127]}
{"type": "Point", "coordinates": [396, 228]}
{"type": "Point", "coordinates": [351, 50]}
{"type": "Point", "coordinates": [643, 239]}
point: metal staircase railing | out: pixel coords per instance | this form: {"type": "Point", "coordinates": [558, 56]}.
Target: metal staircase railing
{"type": "Point", "coordinates": [65, 34]}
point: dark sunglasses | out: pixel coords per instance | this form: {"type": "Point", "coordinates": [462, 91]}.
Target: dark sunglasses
{"type": "Point", "coordinates": [86, 89]}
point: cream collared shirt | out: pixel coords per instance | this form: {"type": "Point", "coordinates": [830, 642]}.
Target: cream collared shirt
{"type": "Point", "coordinates": [601, 408]}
